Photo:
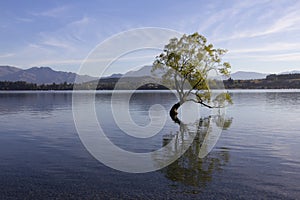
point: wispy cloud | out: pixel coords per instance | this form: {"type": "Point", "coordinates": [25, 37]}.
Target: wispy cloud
{"type": "Point", "coordinates": [280, 46]}
{"type": "Point", "coordinates": [99, 60]}
{"type": "Point", "coordinates": [53, 12]}
{"type": "Point", "coordinates": [66, 38]}
{"type": "Point", "coordinates": [60, 62]}
{"type": "Point", "coordinates": [23, 19]}
{"type": "Point", "coordinates": [6, 55]}
{"type": "Point", "coordinates": [284, 21]}
{"type": "Point", "coordinates": [55, 42]}
{"type": "Point", "coordinates": [81, 22]}
{"type": "Point", "coordinates": [282, 57]}
{"type": "Point", "coordinates": [267, 58]}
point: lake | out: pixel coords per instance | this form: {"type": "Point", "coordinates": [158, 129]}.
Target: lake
{"type": "Point", "coordinates": [256, 156]}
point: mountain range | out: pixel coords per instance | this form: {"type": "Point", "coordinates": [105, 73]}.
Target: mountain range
{"type": "Point", "coordinates": [40, 75]}
{"type": "Point", "coordinates": [46, 75]}
{"type": "Point", "coordinates": [242, 75]}
{"type": "Point", "coordinates": [291, 72]}
{"type": "Point", "coordinates": [239, 75]}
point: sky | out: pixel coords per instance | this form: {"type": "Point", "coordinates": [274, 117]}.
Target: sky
{"type": "Point", "coordinates": [260, 35]}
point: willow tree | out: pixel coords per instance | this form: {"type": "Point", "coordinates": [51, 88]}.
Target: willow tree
{"type": "Point", "coordinates": [186, 64]}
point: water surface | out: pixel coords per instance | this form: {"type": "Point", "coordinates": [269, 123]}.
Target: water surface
{"type": "Point", "coordinates": [257, 156]}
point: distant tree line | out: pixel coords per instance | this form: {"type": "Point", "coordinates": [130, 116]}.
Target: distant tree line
{"type": "Point", "coordinates": [283, 76]}
{"type": "Point", "coordinates": [22, 85]}
{"type": "Point", "coordinates": [102, 84]}
{"type": "Point", "coordinates": [273, 81]}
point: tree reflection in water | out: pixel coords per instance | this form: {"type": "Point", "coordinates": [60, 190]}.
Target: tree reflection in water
{"type": "Point", "coordinates": [191, 168]}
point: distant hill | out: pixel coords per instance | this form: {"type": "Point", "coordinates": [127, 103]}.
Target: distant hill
{"type": "Point", "coordinates": [291, 72]}
{"type": "Point", "coordinates": [118, 75]}
{"type": "Point", "coordinates": [40, 75]}
{"type": "Point", "coordinates": [6, 70]}
{"type": "Point", "coordinates": [143, 71]}
{"type": "Point", "coordinates": [242, 75]}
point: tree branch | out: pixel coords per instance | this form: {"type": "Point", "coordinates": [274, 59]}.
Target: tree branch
{"type": "Point", "coordinates": [204, 104]}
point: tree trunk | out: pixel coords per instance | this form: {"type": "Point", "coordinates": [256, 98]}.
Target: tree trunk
{"type": "Point", "coordinates": [174, 111]}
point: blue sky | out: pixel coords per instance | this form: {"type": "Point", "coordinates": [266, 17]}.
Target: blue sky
{"type": "Point", "coordinates": [261, 35]}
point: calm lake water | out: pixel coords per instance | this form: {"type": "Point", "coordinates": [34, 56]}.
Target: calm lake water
{"type": "Point", "coordinates": [256, 157]}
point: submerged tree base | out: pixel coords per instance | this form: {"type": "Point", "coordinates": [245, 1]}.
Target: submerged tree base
{"type": "Point", "coordinates": [174, 112]}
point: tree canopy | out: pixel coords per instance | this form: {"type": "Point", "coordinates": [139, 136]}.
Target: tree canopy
{"type": "Point", "coordinates": [187, 63]}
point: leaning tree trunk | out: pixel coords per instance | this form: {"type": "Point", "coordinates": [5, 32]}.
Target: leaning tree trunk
{"type": "Point", "coordinates": [174, 112]}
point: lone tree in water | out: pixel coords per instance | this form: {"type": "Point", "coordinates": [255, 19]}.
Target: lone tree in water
{"type": "Point", "coordinates": [186, 64]}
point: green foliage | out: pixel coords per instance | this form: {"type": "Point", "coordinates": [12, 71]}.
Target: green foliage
{"type": "Point", "coordinates": [187, 63]}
